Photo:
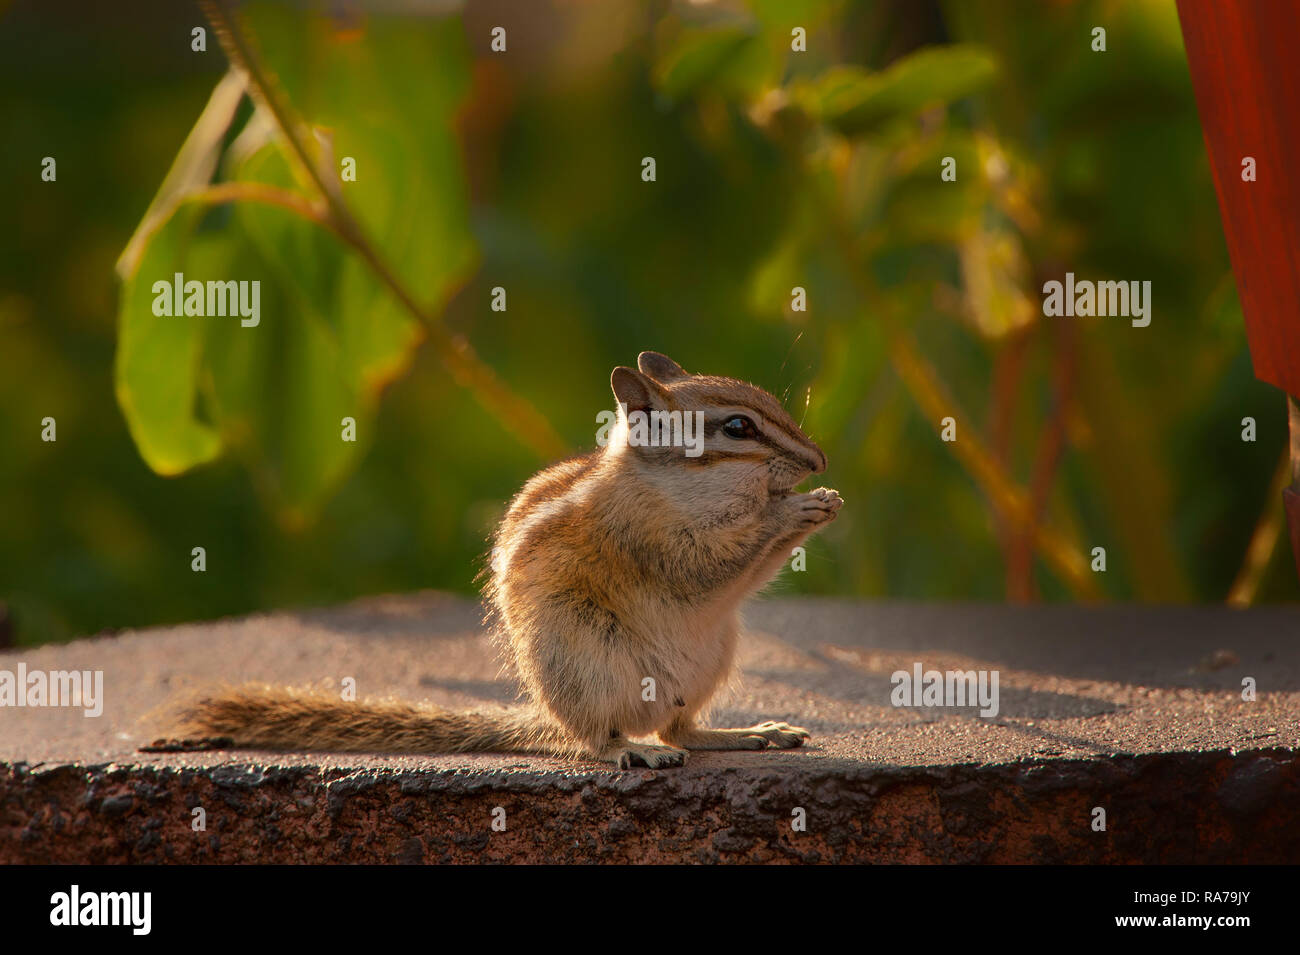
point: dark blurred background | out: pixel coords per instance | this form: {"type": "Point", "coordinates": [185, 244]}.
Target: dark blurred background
{"type": "Point", "coordinates": [522, 169]}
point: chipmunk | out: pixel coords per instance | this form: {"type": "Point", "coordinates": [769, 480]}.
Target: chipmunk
{"type": "Point", "coordinates": [615, 582]}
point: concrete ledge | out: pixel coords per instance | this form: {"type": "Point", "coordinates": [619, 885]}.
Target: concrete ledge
{"type": "Point", "coordinates": [1136, 710]}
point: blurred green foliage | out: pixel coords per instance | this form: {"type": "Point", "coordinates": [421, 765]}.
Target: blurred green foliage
{"type": "Point", "coordinates": [478, 169]}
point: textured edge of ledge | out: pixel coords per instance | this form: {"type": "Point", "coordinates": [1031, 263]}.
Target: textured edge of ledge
{"type": "Point", "coordinates": [1218, 806]}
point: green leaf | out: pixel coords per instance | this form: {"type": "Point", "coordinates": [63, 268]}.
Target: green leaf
{"type": "Point", "coordinates": [700, 55]}
{"type": "Point", "coordinates": [332, 334]}
{"type": "Point", "coordinates": [919, 206]}
{"type": "Point", "coordinates": [191, 169]}
{"type": "Point", "coordinates": [156, 367]}
{"type": "Point", "coordinates": [853, 100]}
{"type": "Point", "coordinates": [388, 100]}
{"type": "Point", "coordinates": [340, 338]}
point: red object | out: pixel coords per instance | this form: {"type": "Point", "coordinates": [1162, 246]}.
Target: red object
{"type": "Point", "coordinates": [1246, 71]}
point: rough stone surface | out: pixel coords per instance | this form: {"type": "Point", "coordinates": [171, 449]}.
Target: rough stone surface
{"type": "Point", "coordinates": [1135, 710]}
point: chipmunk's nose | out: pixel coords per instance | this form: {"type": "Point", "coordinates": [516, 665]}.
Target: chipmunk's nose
{"type": "Point", "coordinates": [818, 460]}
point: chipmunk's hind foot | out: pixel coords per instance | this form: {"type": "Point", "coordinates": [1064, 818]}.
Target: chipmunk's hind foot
{"type": "Point", "coordinates": [767, 733]}
{"type": "Point", "coordinates": [625, 754]}
{"type": "Point", "coordinates": [780, 735]}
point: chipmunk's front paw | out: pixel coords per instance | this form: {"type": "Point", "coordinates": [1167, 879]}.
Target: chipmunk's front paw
{"type": "Point", "coordinates": [625, 755]}
{"type": "Point", "coordinates": [817, 507]}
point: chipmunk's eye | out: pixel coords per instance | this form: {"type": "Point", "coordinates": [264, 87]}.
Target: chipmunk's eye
{"type": "Point", "coordinates": [739, 427]}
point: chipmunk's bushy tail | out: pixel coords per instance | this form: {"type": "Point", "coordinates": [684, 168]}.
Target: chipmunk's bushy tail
{"type": "Point", "coordinates": [284, 718]}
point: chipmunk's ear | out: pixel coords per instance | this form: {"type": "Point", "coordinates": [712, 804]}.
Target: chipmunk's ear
{"type": "Point", "coordinates": [636, 391]}
{"type": "Point", "coordinates": [660, 367]}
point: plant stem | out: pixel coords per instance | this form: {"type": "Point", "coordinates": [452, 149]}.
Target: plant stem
{"type": "Point", "coordinates": [932, 396]}
{"type": "Point", "coordinates": [1263, 541]}
{"type": "Point", "coordinates": [1008, 498]}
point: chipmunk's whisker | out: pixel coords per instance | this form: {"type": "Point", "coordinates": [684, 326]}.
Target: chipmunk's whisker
{"type": "Point", "coordinates": [786, 394]}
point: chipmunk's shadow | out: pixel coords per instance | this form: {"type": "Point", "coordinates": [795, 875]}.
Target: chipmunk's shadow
{"type": "Point", "coordinates": [866, 692]}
